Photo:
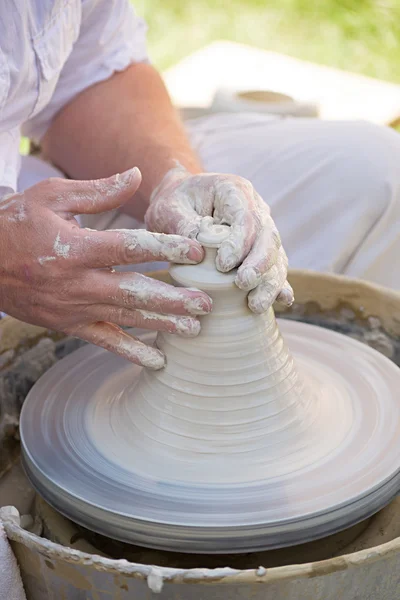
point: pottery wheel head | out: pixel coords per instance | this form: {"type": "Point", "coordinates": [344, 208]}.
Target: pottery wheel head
{"type": "Point", "coordinates": [211, 234]}
{"type": "Point", "coordinates": [246, 440]}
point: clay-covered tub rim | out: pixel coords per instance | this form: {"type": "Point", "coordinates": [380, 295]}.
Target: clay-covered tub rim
{"type": "Point", "coordinates": [54, 551]}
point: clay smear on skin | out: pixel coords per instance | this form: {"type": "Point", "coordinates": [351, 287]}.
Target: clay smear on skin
{"type": "Point", "coordinates": [117, 183]}
{"type": "Point", "coordinates": [110, 188]}
{"type": "Point", "coordinates": [19, 214]}
{"type": "Point", "coordinates": [160, 213]}
{"type": "Point", "coordinates": [231, 200]}
{"type": "Point", "coordinates": [272, 282]}
{"type": "Point", "coordinates": [105, 187]}
{"type": "Point", "coordinates": [131, 348]}
{"type": "Point", "coordinates": [186, 326]}
{"type": "Point", "coordinates": [146, 293]}
{"type": "Point", "coordinates": [61, 249]}
{"type": "Point", "coordinates": [10, 200]}
{"type": "Point", "coordinates": [7, 201]}
{"type": "Point", "coordinates": [44, 259]}
{"type": "Point", "coordinates": [172, 248]}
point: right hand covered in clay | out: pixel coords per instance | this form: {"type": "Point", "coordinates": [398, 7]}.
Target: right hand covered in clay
{"type": "Point", "coordinates": [181, 201]}
{"type": "Point", "coordinates": [57, 275]}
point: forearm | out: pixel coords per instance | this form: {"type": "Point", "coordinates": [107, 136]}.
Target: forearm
{"type": "Point", "coordinates": [125, 121]}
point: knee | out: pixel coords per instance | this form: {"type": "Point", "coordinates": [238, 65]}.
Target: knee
{"type": "Point", "coordinates": [366, 162]}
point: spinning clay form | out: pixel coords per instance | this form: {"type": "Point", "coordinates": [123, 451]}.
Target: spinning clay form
{"type": "Point", "coordinates": [246, 440]}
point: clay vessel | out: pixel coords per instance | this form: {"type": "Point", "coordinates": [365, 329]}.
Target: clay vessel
{"type": "Point", "coordinates": [228, 403]}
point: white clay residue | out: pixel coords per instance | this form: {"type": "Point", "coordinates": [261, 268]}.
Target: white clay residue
{"type": "Point", "coordinates": [59, 248]}
{"type": "Point", "coordinates": [44, 259]}
{"type": "Point", "coordinates": [149, 357]}
{"type": "Point", "coordinates": [186, 326]}
{"type": "Point", "coordinates": [8, 200]}
{"type": "Point", "coordinates": [19, 213]}
{"type": "Point", "coordinates": [171, 248]}
{"type": "Point", "coordinates": [155, 580]}
{"type": "Point", "coordinates": [147, 291]}
{"type": "Point", "coordinates": [115, 184]}
{"type": "Point", "coordinates": [270, 285]}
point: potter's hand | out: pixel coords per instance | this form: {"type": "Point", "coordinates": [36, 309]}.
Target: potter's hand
{"type": "Point", "coordinates": [57, 275]}
{"type": "Point", "coordinates": [182, 200]}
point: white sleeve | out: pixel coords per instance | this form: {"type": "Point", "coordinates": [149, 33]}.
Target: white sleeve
{"type": "Point", "coordinates": [111, 37]}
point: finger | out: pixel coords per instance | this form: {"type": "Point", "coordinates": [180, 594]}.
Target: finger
{"type": "Point", "coordinates": [237, 246]}
{"type": "Point", "coordinates": [98, 195]}
{"type": "Point", "coordinates": [189, 225]}
{"type": "Point", "coordinates": [132, 246]}
{"type": "Point", "coordinates": [261, 257]}
{"type": "Point", "coordinates": [264, 295]}
{"type": "Point", "coordinates": [177, 215]}
{"type": "Point", "coordinates": [183, 326]}
{"type": "Point", "coordinates": [286, 295]}
{"type": "Point", "coordinates": [234, 205]}
{"type": "Point", "coordinates": [136, 291]}
{"type": "Point", "coordinates": [112, 338]}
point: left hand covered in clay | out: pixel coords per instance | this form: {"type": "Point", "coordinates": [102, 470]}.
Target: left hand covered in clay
{"type": "Point", "coordinates": [182, 199]}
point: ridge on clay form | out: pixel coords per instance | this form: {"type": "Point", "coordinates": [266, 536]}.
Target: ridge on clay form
{"type": "Point", "coordinates": [231, 406]}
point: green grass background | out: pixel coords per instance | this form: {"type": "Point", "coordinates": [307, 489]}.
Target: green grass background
{"type": "Point", "coordinates": [356, 35]}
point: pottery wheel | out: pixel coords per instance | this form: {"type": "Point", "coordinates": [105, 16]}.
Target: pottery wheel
{"type": "Point", "coordinates": [247, 440]}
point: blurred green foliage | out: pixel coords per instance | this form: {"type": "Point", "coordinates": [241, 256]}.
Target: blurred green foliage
{"type": "Point", "coordinates": [356, 35]}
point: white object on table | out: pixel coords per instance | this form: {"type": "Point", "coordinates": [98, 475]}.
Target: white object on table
{"type": "Point", "coordinates": [261, 101]}
{"type": "Point", "coordinates": [340, 95]}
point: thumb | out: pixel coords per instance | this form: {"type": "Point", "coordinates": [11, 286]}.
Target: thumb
{"type": "Point", "coordinates": [99, 195]}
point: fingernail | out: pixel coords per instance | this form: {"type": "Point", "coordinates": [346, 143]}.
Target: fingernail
{"type": "Point", "coordinates": [225, 264]}
{"type": "Point", "coordinates": [286, 297]}
{"type": "Point", "coordinates": [196, 254]}
{"type": "Point", "coordinates": [150, 357]}
{"type": "Point", "coordinates": [248, 278]}
{"type": "Point", "coordinates": [129, 176]}
{"type": "Point", "coordinates": [187, 327]}
{"type": "Point", "coordinates": [199, 305]}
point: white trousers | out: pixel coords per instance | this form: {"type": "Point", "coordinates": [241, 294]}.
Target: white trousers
{"type": "Point", "coordinates": [333, 187]}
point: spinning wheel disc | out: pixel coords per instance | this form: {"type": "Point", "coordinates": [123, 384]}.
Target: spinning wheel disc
{"type": "Point", "coordinates": [343, 466]}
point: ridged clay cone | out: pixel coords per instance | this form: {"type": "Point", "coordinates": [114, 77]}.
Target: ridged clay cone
{"type": "Point", "coordinates": [230, 404]}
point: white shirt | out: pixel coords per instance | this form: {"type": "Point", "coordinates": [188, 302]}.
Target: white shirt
{"type": "Point", "coordinates": [50, 51]}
